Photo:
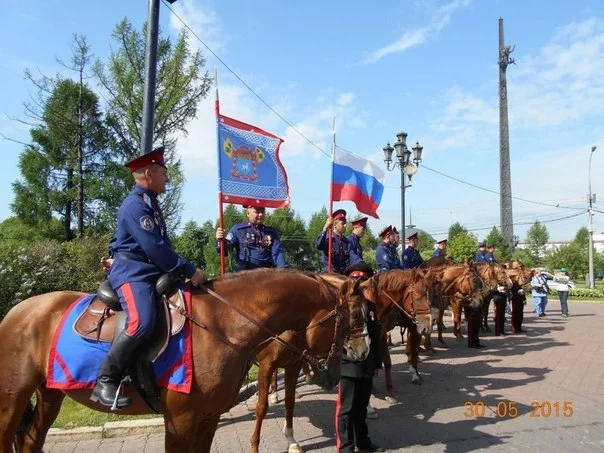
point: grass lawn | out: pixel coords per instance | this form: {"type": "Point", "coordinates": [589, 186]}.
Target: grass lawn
{"type": "Point", "coordinates": [74, 415]}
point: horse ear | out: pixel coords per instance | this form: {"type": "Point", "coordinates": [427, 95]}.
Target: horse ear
{"type": "Point", "coordinates": [367, 288]}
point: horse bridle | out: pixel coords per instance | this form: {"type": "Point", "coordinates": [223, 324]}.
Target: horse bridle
{"type": "Point", "coordinates": [467, 275]}
{"type": "Point", "coordinates": [305, 354]}
{"type": "Point", "coordinates": [408, 291]}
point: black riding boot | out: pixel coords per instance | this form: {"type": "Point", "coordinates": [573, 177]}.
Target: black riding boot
{"type": "Point", "coordinates": [112, 370]}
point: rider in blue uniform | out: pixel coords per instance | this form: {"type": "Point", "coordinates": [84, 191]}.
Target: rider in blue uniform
{"type": "Point", "coordinates": [359, 226]}
{"type": "Point", "coordinates": [386, 254]}
{"type": "Point", "coordinates": [411, 256]}
{"type": "Point", "coordinates": [140, 252]}
{"type": "Point", "coordinates": [252, 243]}
{"type": "Point", "coordinates": [481, 254]}
{"type": "Point", "coordinates": [342, 253]}
{"type": "Point", "coordinates": [490, 255]}
{"type": "Point", "coordinates": [441, 249]}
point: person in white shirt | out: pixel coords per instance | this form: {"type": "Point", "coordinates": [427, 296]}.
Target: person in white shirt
{"type": "Point", "coordinates": [563, 289]}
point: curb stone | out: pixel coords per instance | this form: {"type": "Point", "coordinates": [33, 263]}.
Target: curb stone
{"type": "Point", "coordinates": [128, 427]}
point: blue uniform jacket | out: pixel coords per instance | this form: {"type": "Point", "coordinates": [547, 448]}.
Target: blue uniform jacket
{"type": "Point", "coordinates": [355, 243]}
{"type": "Point", "coordinates": [254, 246]}
{"type": "Point", "coordinates": [141, 247]}
{"type": "Point", "coordinates": [387, 257]}
{"type": "Point", "coordinates": [342, 253]}
{"type": "Point", "coordinates": [411, 258]}
{"type": "Point", "coordinates": [480, 257]}
{"type": "Point", "coordinates": [490, 258]}
{"type": "Point", "coordinates": [438, 252]}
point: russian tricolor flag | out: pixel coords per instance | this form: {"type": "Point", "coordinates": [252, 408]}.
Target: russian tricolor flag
{"type": "Point", "coordinates": [358, 180]}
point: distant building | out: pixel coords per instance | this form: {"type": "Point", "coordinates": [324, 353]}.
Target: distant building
{"type": "Point", "coordinates": [598, 244]}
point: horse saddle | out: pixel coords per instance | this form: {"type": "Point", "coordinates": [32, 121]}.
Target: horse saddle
{"type": "Point", "coordinates": [104, 319]}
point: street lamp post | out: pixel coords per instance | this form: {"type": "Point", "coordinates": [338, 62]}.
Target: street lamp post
{"type": "Point", "coordinates": [407, 166]}
{"type": "Point", "coordinates": [591, 199]}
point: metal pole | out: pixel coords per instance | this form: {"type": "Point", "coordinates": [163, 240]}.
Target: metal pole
{"type": "Point", "coordinates": [403, 235]}
{"type": "Point", "coordinates": [591, 226]}
{"type": "Point", "coordinates": [150, 76]}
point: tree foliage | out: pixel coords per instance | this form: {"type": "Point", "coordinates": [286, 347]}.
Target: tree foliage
{"type": "Point", "coordinates": [191, 242]}
{"type": "Point", "coordinates": [503, 251]}
{"type": "Point", "coordinates": [456, 229]}
{"type": "Point", "coordinates": [180, 86]}
{"type": "Point", "coordinates": [462, 246]}
{"type": "Point", "coordinates": [536, 238]}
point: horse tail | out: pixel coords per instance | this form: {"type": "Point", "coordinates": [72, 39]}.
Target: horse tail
{"type": "Point", "coordinates": [26, 420]}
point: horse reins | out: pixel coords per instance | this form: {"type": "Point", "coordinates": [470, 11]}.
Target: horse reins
{"type": "Point", "coordinates": [305, 354]}
{"type": "Point", "coordinates": [411, 316]}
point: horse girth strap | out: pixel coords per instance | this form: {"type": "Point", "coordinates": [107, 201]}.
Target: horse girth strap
{"type": "Point", "coordinates": [305, 354]}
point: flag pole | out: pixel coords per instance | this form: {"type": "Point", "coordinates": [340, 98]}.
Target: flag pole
{"type": "Point", "coordinates": [220, 213]}
{"type": "Point", "coordinates": [330, 238]}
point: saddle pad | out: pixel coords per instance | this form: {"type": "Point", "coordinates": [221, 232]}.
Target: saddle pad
{"type": "Point", "coordinates": [73, 362]}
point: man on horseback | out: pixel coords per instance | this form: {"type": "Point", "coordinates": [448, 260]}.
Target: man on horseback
{"type": "Point", "coordinates": [490, 255]}
{"type": "Point", "coordinates": [140, 252]}
{"type": "Point", "coordinates": [354, 389]}
{"type": "Point", "coordinates": [441, 249]}
{"type": "Point", "coordinates": [342, 253]}
{"type": "Point", "coordinates": [411, 256]}
{"type": "Point", "coordinates": [386, 254]}
{"type": "Point", "coordinates": [480, 256]}
{"type": "Point", "coordinates": [253, 243]}
{"type": "Point", "coordinates": [359, 226]}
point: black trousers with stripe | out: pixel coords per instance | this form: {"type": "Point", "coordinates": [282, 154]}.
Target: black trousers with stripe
{"type": "Point", "coordinates": [351, 414]}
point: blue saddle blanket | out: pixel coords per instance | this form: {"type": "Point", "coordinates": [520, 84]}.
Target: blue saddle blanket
{"type": "Point", "coordinates": [73, 362]}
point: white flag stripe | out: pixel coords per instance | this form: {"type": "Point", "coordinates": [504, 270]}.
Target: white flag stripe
{"type": "Point", "coordinates": [358, 163]}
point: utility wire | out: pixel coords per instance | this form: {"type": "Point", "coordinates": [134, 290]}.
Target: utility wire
{"type": "Point", "coordinates": [317, 146]}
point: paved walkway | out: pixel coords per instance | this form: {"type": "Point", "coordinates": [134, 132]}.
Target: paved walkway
{"type": "Point", "coordinates": [558, 363]}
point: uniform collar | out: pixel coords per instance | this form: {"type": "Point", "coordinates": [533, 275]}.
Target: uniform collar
{"type": "Point", "coordinates": [140, 189]}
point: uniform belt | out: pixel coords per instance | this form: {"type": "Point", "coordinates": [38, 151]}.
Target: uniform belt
{"type": "Point", "coordinates": [130, 257]}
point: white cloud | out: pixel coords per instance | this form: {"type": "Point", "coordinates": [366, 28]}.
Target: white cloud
{"type": "Point", "coordinates": [417, 36]}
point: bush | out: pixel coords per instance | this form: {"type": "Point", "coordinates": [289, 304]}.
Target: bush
{"type": "Point", "coordinates": [581, 293]}
{"type": "Point", "coordinates": [42, 267]}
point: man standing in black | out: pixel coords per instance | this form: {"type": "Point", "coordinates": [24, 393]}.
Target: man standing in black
{"type": "Point", "coordinates": [354, 389]}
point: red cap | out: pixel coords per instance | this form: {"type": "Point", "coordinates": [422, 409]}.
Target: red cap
{"type": "Point", "coordinates": [362, 222]}
{"type": "Point", "coordinates": [413, 236]}
{"type": "Point", "coordinates": [387, 231]}
{"type": "Point", "coordinates": [154, 157]}
{"type": "Point", "coordinates": [339, 214]}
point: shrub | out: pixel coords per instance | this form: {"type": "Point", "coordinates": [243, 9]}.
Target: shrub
{"type": "Point", "coordinates": [45, 266]}
{"type": "Point", "coordinates": [581, 293]}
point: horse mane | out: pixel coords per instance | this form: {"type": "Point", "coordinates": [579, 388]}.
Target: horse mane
{"type": "Point", "coordinates": [396, 280]}
{"type": "Point", "coordinates": [435, 261]}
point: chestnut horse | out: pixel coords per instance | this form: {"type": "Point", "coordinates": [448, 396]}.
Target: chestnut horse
{"type": "Point", "coordinates": [275, 356]}
{"type": "Point", "coordinates": [400, 296]}
{"type": "Point", "coordinates": [277, 300]}
{"type": "Point", "coordinates": [455, 286]}
{"type": "Point", "coordinates": [495, 280]}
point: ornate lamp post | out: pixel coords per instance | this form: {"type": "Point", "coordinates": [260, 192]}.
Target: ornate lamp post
{"type": "Point", "coordinates": [407, 166]}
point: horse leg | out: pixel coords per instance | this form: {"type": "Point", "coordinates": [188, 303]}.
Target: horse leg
{"type": "Point", "coordinates": [485, 314]}
{"type": "Point", "coordinates": [387, 362]}
{"type": "Point", "coordinates": [457, 320]}
{"type": "Point", "coordinates": [274, 390]}
{"type": "Point", "coordinates": [265, 372]}
{"type": "Point", "coordinates": [205, 435]}
{"type": "Point", "coordinates": [291, 380]}
{"type": "Point", "coordinates": [413, 342]}
{"type": "Point", "coordinates": [48, 405]}
{"type": "Point", "coordinates": [439, 324]}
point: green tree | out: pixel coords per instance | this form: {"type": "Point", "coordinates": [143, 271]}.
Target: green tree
{"type": "Point", "coordinates": [191, 242]}
{"type": "Point", "coordinates": [456, 229]}
{"type": "Point", "coordinates": [573, 256]}
{"type": "Point", "coordinates": [536, 238]}
{"type": "Point", "coordinates": [525, 256]}
{"type": "Point", "coordinates": [425, 244]}
{"type": "Point", "coordinates": [231, 215]}
{"type": "Point", "coordinates": [180, 86]}
{"type": "Point", "coordinates": [503, 251]}
{"type": "Point", "coordinates": [15, 231]}
{"type": "Point", "coordinates": [315, 226]}
{"type": "Point", "coordinates": [61, 170]}
{"type": "Point", "coordinates": [292, 231]}
{"type": "Point", "coordinates": [463, 246]}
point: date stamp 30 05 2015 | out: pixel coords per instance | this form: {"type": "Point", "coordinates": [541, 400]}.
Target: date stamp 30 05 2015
{"type": "Point", "coordinates": [509, 409]}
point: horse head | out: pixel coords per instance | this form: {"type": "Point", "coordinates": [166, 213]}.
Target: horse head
{"type": "Point", "coordinates": [405, 290]}
{"type": "Point", "coordinates": [357, 341]}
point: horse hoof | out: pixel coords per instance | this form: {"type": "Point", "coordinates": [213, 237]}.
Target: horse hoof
{"type": "Point", "coordinates": [273, 398]}
{"type": "Point", "coordinates": [391, 400]}
{"type": "Point", "coordinates": [295, 448]}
